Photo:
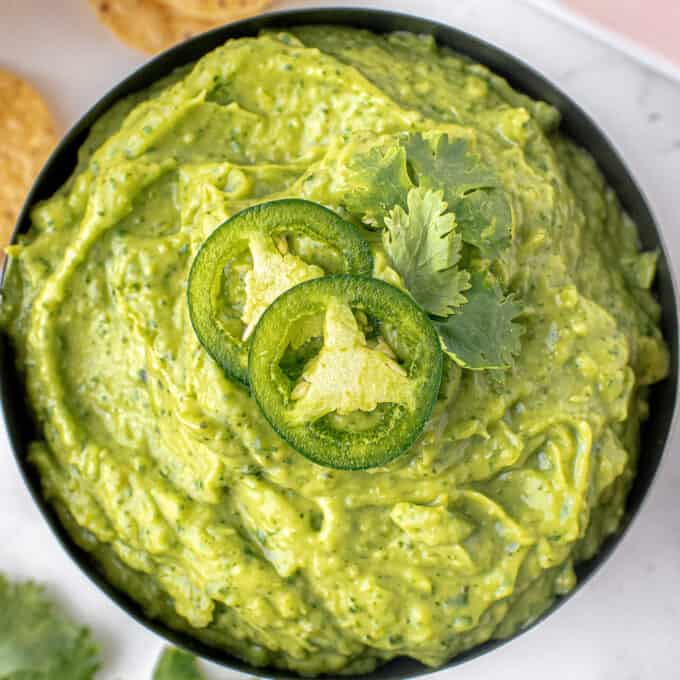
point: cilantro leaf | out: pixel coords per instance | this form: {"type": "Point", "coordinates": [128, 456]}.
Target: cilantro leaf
{"type": "Point", "coordinates": [485, 221]}
{"type": "Point", "coordinates": [484, 333]}
{"type": "Point", "coordinates": [425, 247]}
{"type": "Point", "coordinates": [470, 188]}
{"type": "Point", "coordinates": [448, 166]}
{"type": "Point", "coordinates": [176, 664]}
{"type": "Point", "coordinates": [37, 642]}
{"type": "Point", "coordinates": [379, 181]}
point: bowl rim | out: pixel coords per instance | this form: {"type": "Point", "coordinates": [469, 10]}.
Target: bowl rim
{"type": "Point", "coordinates": [523, 77]}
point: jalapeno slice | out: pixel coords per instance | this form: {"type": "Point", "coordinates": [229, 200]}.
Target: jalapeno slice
{"type": "Point", "coordinates": [252, 258]}
{"type": "Point", "coordinates": [346, 369]}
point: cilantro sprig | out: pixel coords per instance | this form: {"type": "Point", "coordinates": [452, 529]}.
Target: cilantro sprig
{"type": "Point", "coordinates": [380, 181]}
{"type": "Point", "coordinates": [383, 177]}
{"type": "Point", "coordinates": [37, 642]}
{"type": "Point", "coordinates": [470, 188]}
{"type": "Point", "coordinates": [447, 163]}
{"type": "Point", "coordinates": [454, 212]}
{"type": "Point", "coordinates": [484, 333]}
{"type": "Point", "coordinates": [425, 247]}
{"type": "Point", "coordinates": [476, 322]}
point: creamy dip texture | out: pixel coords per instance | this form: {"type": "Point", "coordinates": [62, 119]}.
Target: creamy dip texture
{"type": "Point", "coordinates": [167, 473]}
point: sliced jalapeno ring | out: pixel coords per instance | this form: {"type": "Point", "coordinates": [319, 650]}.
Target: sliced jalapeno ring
{"type": "Point", "coordinates": [346, 369]}
{"type": "Point", "coordinates": [246, 263]}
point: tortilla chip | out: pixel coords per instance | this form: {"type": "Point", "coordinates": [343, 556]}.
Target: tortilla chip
{"type": "Point", "coordinates": [224, 10]}
{"type": "Point", "coordinates": [149, 25]}
{"type": "Point", "coordinates": [27, 135]}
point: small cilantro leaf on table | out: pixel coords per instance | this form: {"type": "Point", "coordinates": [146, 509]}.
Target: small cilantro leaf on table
{"type": "Point", "coordinates": [425, 247]}
{"type": "Point", "coordinates": [176, 664]}
{"type": "Point", "coordinates": [37, 642]}
{"type": "Point", "coordinates": [470, 188]}
{"type": "Point", "coordinates": [484, 332]}
{"type": "Point", "coordinates": [380, 181]}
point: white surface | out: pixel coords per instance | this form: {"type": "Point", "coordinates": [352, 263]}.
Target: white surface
{"type": "Point", "coordinates": [655, 60]}
{"type": "Point", "coordinates": [625, 624]}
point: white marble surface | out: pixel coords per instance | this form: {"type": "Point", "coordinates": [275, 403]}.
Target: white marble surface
{"type": "Point", "coordinates": [625, 624]}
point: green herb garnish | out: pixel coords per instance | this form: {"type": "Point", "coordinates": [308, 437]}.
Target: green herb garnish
{"type": "Point", "coordinates": [483, 333]}
{"type": "Point", "coordinates": [176, 664]}
{"type": "Point", "coordinates": [424, 246]}
{"type": "Point", "coordinates": [471, 190]}
{"type": "Point", "coordinates": [380, 181]}
{"type": "Point", "coordinates": [37, 642]}
{"type": "Point", "coordinates": [456, 213]}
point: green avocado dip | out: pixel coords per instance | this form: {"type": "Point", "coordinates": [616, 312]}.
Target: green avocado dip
{"type": "Point", "coordinates": [165, 469]}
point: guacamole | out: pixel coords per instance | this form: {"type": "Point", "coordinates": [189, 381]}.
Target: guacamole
{"type": "Point", "coordinates": [165, 470]}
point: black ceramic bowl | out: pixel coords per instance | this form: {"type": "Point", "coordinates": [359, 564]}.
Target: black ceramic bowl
{"type": "Point", "coordinates": [576, 124]}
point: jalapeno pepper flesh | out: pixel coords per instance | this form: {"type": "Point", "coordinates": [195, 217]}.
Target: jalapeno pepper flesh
{"type": "Point", "coordinates": [366, 395]}
{"type": "Point", "coordinates": [223, 334]}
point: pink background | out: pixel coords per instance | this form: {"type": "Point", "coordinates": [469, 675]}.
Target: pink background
{"type": "Point", "coordinates": [653, 23]}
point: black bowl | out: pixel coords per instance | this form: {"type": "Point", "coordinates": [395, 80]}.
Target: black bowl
{"type": "Point", "coordinates": [576, 124]}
